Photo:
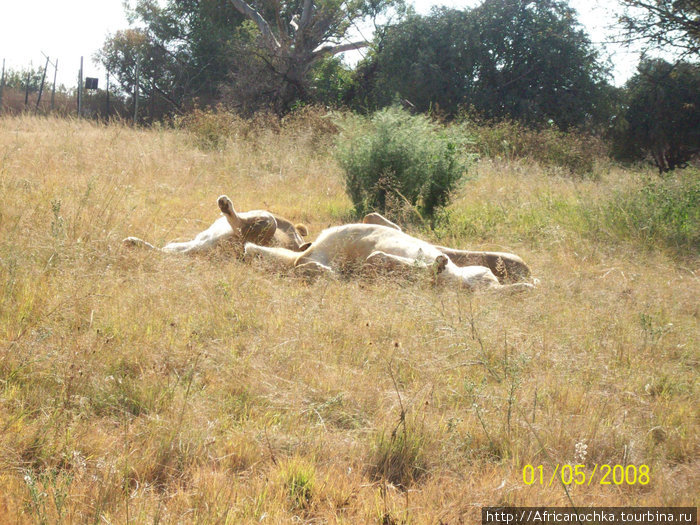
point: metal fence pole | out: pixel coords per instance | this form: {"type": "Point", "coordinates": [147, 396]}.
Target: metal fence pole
{"type": "Point", "coordinates": [80, 89]}
{"type": "Point", "coordinates": [26, 90]}
{"type": "Point", "coordinates": [136, 93]}
{"type": "Point", "coordinates": [41, 87]}
{"type": "Point", "coordinates": [2, 82]}
{"type": "Point", "coordinates": [53, 90]}
{"type": "Point", "coordinates": [107, 93]}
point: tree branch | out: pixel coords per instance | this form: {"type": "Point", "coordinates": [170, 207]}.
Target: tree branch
{"type": "Point", "coordinates": [262, 24]}
{"type": "Point", "coordinates": [334, 50]}
{"type": "Point", "coordinates": [306, 14]}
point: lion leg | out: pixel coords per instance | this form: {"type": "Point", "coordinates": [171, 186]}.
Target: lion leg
{"type": "Point", "coordinates": [379, 260]}
{"type": "Point", "coordinates": [382, 261]}
{"type": "Point", "coordinates": [260, 230]}
{"type": "Point", "coordinates": [312, 269]}
{"type": "Point", "coordinates": [281, 256]}
{"type": "Point", "coordinates": [376, 218]}
{"type": "Point", "coordinates": [138, 243]}
{"type": "Point", "coordinates": [508, 267]}
{"type": "Point", "coordinates": [513, 288]}
{"type": "Point", "coordinates": [226, 207]}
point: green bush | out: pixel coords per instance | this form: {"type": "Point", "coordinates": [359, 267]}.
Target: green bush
{"type": "Point", "coordinates": [575, 153]}
{"type": "Point", "coordinates": [393, 161]}
{"type": "Point", "coordinates": [664, 212]}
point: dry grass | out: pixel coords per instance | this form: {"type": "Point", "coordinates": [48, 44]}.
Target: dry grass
{"type": "Point", "coordinates": [139, 388]}
{"type": "Point", "coordinates": [13, 101]}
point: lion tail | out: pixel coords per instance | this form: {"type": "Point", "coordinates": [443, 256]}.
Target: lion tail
{"type": "Point", "coordinates": [302, 229]}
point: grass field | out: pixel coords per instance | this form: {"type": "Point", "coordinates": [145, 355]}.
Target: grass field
{"type": "Point", "coordinates": [142, 388]}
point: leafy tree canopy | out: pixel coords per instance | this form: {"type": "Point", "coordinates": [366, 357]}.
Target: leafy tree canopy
{"type": "Point", "coordinates": [662, 24]}
{"type": "Point", "coordinates": [257, 54]}
{"type": "Point", "coordinates": [18, 78]}
{"type": "Point", "coordinates": [292, 36]}
{"type": "Point", "coordinates": [184, 47]}
{"type": "Point", "coordinates": [523, 59]}
{"type": "Point", "coordinates": [662, 117]}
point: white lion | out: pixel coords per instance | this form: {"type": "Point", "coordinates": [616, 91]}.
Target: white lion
{"type": "Point", "coordinates": [377, 243]}
{"type": "Point", "coordinates": [507, 267]}
{"type": "Point", "coordinates": [259, 226]}
{"type": "Point", "coordinates": [380, 246]}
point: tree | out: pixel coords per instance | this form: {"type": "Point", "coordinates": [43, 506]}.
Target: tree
{"type": "Point", "coordinates": [294, 35]}
{"type": "Point", "coordinates": [197, 37]}
{"type": "Point", "coordinates": [17, 79]}
{"type": "Point", "coordinates": [183, 48]}
{"type": "Point", "coordinates": [267, 53]}
{"type": "Point", "coordinates": [422, 60]}
{"type": "Point", "coordinates": [331, 82]}
{"type": "Point", "coordinates": [662, 24]}
{"type": "Point", "coordinates": [662, 117]}
{"type": "Point", "coordinates": [522, 59]}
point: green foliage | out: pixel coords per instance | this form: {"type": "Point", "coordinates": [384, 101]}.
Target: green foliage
{"type": "Point", "coordinates": [575, 153]}
{"type": "Point", "coordinates": [17, 79]}
{"type": "Point", "coordinates": [125, 49]}
{"type": "Point", "coordinates": [182, 46]}
{"type": "Point", "coordinates": [662, 24]}
{"type": "Point", "coordinates": [293, 38]}
{"type": "Point", "coordinates": [299, 479]}
{"type": "Point", "coordinates": [664, 212]}
{"type": "Point", "coordinates": [331, 82]}
{"type": "Point", "coordinates": [42, 484]}
{"type": "Point", "coordinates": [393, 159]}
{"type": "Point", "coordinates": [521, 59]}
{"type": "Point", "coordinates": [422, 60]}
{"type": "Point", "coordinates": [662, 118]}
{"type": "Point", "coordinates": [252, 56]}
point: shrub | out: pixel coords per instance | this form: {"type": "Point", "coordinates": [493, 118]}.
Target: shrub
{"type": "Point", "coordinates": [393, 160]}
{"type": "Point", "coordinates": [213, 127]}
{"type": "Point", "coordinates": [573, 152]}
{"type": "Point", "coordinates": [311, 126]}
{"type": "Point", "coordinates": [665, 212]}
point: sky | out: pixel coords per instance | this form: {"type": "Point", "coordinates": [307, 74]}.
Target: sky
{"type": "Point", "coordinates": [70, 29]}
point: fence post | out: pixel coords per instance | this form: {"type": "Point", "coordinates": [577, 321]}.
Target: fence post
{"type": "Point", "coordinates": [136, 93]}
{"type": "Point", "coordinates": [41, 87]}
{"type": "Point", "coordinates": [53, 90]}
{"type": "Point", "coordinates": [80, 89]}
{"type": "Point", "coordinates": [26, 90]}
{"type": "Point", "coordinates": [107, 93]}
{"type": "Point", "coordinates": [2, 82]}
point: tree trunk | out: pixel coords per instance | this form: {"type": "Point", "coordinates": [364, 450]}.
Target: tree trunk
{"type": "Point", "coordinates": [292, 85]}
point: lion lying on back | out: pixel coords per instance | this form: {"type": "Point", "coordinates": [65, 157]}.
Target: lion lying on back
{"type": "Point", "coordinates": [377, 243]}
{"type": "Point", "coordinates": [258, 226]}
{"type": "Point", "coordinates": [380, 247]}
{"type": "Point", "coordinates": [507, 267]}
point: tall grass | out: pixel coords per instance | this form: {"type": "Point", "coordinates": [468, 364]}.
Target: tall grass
{"type": "Point", "coordinates": [663, 211]}
{"type": "Point", "coordinates": [140, 388]}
